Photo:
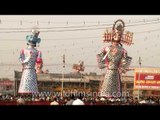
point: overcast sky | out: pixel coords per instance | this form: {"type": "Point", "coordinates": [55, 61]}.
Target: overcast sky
{"type": "Point", "coordinates": [79, 37]}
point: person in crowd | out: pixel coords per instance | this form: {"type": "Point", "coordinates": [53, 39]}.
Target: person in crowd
{"type": "Point", "coordinates": [78, 101]}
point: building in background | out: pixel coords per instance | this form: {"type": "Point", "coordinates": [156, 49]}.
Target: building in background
{"type": "Point", "coordinates": [6, 86]}
{"type": "Point", "coordinates": [50, 82]}
{"type": "Point", "coordinates": [90, 82]}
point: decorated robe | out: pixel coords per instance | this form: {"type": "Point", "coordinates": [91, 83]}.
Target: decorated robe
{"type": "Point", "coordinates": [28, 58]}
{"type": "Point", "coordinates": [116, 61]}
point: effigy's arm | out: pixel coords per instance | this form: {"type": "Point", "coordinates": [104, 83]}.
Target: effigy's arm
{"type": "Point", "coordinates": [21, 57]}
{"type": "Point", "coordinates": [102, 58]}
{"type": "Point", "coordinates": [28, 57]}
{"type": "Point", "coordinates": [125, 62]}
{"type": "Point", "coordinates": [39, 63]}
{"type": "Point", "coordinates": [26, 60]}
{"type": "Point", "coordinates": [39, 57]}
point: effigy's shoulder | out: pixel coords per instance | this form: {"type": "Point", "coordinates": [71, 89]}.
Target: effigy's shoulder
{"type": "Point", "coordinates": [107, 48]}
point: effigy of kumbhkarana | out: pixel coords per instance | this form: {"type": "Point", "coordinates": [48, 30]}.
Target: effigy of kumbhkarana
{"type": "Point", "coordinates": [29, 58]}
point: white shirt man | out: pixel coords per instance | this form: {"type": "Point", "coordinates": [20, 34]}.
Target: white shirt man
{"type": "Point", "coordinates": [78, 102]}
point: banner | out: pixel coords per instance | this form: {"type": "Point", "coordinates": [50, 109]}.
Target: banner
{"type": "Point", "coordinates": [147, 79]}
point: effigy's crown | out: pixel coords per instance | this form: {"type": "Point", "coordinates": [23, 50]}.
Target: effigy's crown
{"type": "Point", "coordinates": [118, 34]}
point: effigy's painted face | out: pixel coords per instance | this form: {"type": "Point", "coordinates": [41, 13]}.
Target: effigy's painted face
{"type": "Point", "coordinates": [117, 36]}
{"type": "Point", "coordinates": [114, 43]}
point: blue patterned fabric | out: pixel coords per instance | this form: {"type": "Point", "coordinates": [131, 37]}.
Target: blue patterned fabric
{"type": "Point", "coordinates": [28, 82]}
{"type": "Point", "coordinates": [111, 85]}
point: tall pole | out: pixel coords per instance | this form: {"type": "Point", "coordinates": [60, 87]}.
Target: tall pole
{"type": "Point", "coordinates": [63, 74]}
{"type": "Point", "coordinates": [84, 81]}
{"type": "Point", "coordinates": [139, 76]}
{"type": "Point", "coordinates": [15, 83]}
{"type": "Point", "coordinates": [14, 86]}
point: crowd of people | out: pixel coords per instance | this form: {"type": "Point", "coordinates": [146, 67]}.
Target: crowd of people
{"type": "Point", "coordinates": [51, 99]}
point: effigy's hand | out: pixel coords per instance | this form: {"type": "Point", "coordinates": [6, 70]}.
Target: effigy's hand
{"type": "Point", "coordinates": [122, 71]}
{"type": "Point", "coordinates": [30, 54]}
{"type": "Point", "coordinates": [24, 63]}
{"type": "Point", "coordinates": [27, 58]}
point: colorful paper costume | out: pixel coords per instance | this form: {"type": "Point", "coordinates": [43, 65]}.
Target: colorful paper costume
{"type": "Point", "coordinates": [115, 59]}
